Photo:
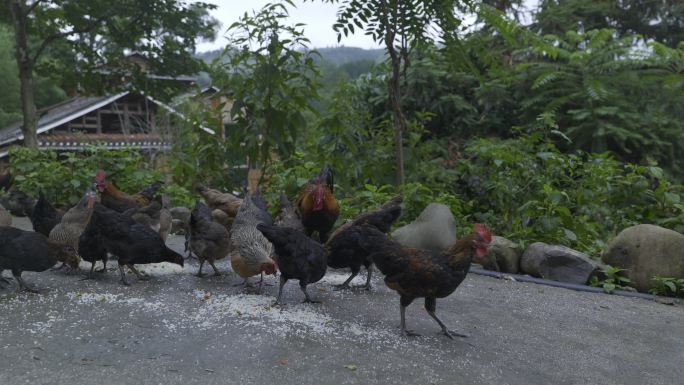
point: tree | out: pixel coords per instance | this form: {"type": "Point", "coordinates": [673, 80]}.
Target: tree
{"type": "Point", "coordinates": [97, 33]}
{"type": "Point", "coordinates": [272, 80]}
{"type": "Point", "coordinates": [659, 20]}
{"type": "Point", "coordinates": [45, 89]}
{"type": "Point", "coordinates": [400, 25]}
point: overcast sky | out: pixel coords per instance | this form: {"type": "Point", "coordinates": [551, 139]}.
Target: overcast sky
{"type": "Point", "coordinates": [317, 16]}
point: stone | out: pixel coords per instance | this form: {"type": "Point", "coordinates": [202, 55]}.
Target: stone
{"type": "Point", "coordinates": [434, 229]}
{"type": "Point", "coordinates": [177, 227]}
{"type": "Point", "coordinates": [558, 263]}
{"type": "Point", "coordinates": [181, 213]}
{"type": "Point", "coordinates": [646, 251]}
{"type": "Point", "coordinates": [503, 255]}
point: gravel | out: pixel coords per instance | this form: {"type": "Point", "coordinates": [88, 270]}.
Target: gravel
{"type": "Point", "coordinates": [180, 329]}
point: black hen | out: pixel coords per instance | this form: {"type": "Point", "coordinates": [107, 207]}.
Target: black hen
{"type": "Point", "coordinates": [44, 216]}
{"type": "Point", "coordinates": [29, 251]}
{"type": "Point", "coordinates": [298, 256]}
{"type": "Point", "coordinates": [92, 249]}
{"type": "Point", "coordinates": [344, 249]}
{"type": "Point", "coordinates": [132, 242]}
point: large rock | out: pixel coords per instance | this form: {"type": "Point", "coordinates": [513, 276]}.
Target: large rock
{"type": "Point", "coordinates": [558, 263]}
{"type": "Point", "coordinates": [181, 213]}
{"type": "Point", "coordinates": [434, 229]}
{"type": "Point", "coordinates": [646, 251]}
{"type": "Point", "coordinates": [502, 255]}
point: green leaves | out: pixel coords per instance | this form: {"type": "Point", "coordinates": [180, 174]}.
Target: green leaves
{"type": "Point", "coordinates": [273, 82]}
{"type": "Point", "coordinates": [64, 179]}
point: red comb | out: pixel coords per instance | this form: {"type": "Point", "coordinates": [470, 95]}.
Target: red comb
{"type": "Point", "coordinates": [100, 175]}
{"type": "Point", "coordinates": [483, 231]}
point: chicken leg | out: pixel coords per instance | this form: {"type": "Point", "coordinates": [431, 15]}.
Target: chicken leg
{"type": "Point", "coordinates": [141, 276]}
{"type": "Point", "coordinates": [280, 290]}
{"type": "Point", "coordinates": [199, 273]}
{"type": "Point", "coordinates": [123, 276]}
{"type": "Point", "coordinates": [369, 270]}
{"type": "Point", "coordinates": [302, 286]}
{"type": "Point", "coordinates": [404, 302]}
{"type": "Point", "coordinates": [216, 271]}
{"type": "Point", "coordinates": [430, 307]}
{"type": "Point", "coordinates": [345, 284]}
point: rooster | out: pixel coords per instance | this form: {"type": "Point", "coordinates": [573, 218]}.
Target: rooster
{"type": "Point", "coordinates": [343, 246]}
{"type": "Point", "coordinates": [415, 273]}
{"type": "Point", "coordinates": [317, 206]}
{"type": "Point", "coordinates": [114, 199]}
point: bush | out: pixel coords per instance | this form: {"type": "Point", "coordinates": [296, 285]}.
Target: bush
{"type": "Point", "coordinates": [529, 191]}
{"type": "Point", "coordinates": [65, 177]}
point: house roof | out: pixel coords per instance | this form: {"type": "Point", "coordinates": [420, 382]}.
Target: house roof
{"type": "Point", "coordinates": [59, 114]}
{"type": "Point", "coordinates": [69, 110]}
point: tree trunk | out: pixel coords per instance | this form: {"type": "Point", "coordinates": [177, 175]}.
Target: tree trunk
{"type": "Point", "coordinates": [399, 120]}
{"type": "Point", "coordinates": [25, 64]}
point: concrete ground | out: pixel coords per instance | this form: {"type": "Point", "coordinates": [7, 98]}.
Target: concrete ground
{"type": "Point", "coordinates": [180, 329]}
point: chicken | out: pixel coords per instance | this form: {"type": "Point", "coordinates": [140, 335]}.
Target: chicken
{"type": "Point", "coordinates": [252, 252]}
{"type": "Point", "coordinates": [131, 242]}
{"type": "Point", "coordinates": [18, 203]}
{"type": "Point", "coordinates": [92, 249]}
{"type": "Point", "coordinates": [317, 206]}
{"type": "Point", "coordinates": [209, 240]}
{"type": "Point", "coordinates": [5, 180]}
{"type": "Point", "coordinates": [155, 215]}
{"type": "Point", "coordinates": [416, 273]}
{"type": "Point", "coordinates": [5, 217]}
{"type": "Point", "coordinates": [114, 199]}
{"type": "Point", "coordinates": [227, 203]}
{"type": "Point", "coordinates": [288, 216]}
{"type": "Point", "coordinates": [44, 216]}
{"type": "Point", "coordinates": [73, 224]}
{"type": "Point", "coordinates": [343, 246]}
{"type": "Point", "coordinates": [298, 257]}
{"type": "Point", "coordinates": [22, 250]}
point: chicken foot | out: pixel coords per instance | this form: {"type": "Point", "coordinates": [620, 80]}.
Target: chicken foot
{"type": "Point", "coordinates": [368, 286]}
{"type": "Point", "coordinates": [141, 276]}
{"type": "Point", "coordinates": [302, 286]}
{"type": "Point", "coordinates": [211, 263]}
{"type": "Point", "coordinates": [199, 273]}
{"type": "Point", "coordinates": [91, 274]}
{"type": "Point", "coordinates": [123, 276]}
{"type": "Point", "coordinates": [345, 284]}
{"type": "Point", "coordinates": [216, 271]}
{"type": "Point", "coordinates": [430, 307]}
{"type": "Point", "coordinates": [404, 331]}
